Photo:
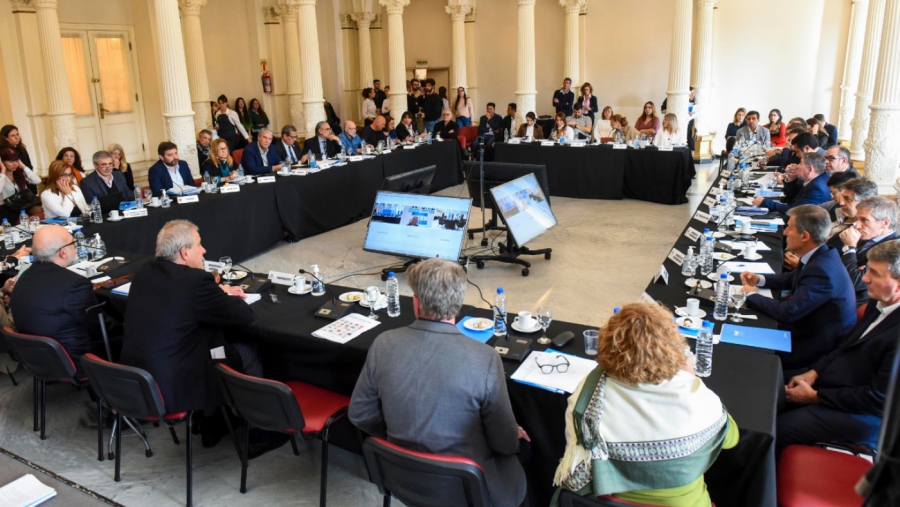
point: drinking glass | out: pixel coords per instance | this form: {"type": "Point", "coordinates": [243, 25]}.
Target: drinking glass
{"type": "Point", "coordinates": [147, 194]}
{"type": "Point", "coordinates": [544, 317]}
{"type": "Point", "coordinates": [372, 295]}
{"type": "Point", "coordinates": [226, 267]}
{"type": "Point", "coordinates": [33, 223]}
{"type": "Point", "coordinates": [738, 297]}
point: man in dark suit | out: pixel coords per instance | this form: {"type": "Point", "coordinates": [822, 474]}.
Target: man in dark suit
{"type": "Point", "coordinates": [373, 133]}
{"type": "Point", "coordinates": [174, 321]}
{"type": "Point", "coordinates": [325, 143]}
{"type": "Point", "coordinates": [287, 148]}
{"type": "Point", "coordinates": [104, 181]}
{"type": "Point", "coordinates": [509, 121]}
{"type": "Point", "coordinates": [798, 143]}
{"type": "Point", "coordinates": [841, 398]}
{"type": "Point", "coordinates": [260, 157]}
{"type": "Point", "coordinates": [822, 305]}
{"type": "Point", "coordinates": [837, 160]}
{"type": "Point", "coordinates": [459, 405]}
{"type": "Point", "coordinates": [168, 172]}
{"type": "Point", "coordinates": [380, 95]}
{"type": "Point", "coordinates": [876, 222]}
{"type": "Point", "coordinates": [811, 172]}
{"type": "Point", "coordinates": [564, 98]}
{"type": "Point", "coordinates": [51, 301]}
{"type": "Point", "coordinates": [835, 183]}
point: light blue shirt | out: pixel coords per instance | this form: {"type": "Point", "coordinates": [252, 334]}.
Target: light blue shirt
{"type": "Point", "coordinates": [353, 144]}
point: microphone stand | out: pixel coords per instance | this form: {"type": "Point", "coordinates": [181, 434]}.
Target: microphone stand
{"type": "Point", "coordinates": [484, 240]}
{"type": "Point", "coordinates": [333, 309]}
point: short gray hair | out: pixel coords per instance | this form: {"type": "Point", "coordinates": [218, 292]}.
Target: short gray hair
{"type": "Point", "coordinates": [440, 286]}
{"type": "Point", "coordinates": [264, 130]}
{"type": "Point", "coordinates": [48, 248]}
{"type": "Point", "coordinates": [100, 155]}
{"type": "Point", "coordinates": [812, 219]}
{"type": "Point", "coordinates": [862, 188]}
{"type": "Point", "coordinates": [287, 129]}
{"type": "Point", "coordinates": [815, 160]}
{"type": "Point", "coordinates": [881, 208]}
{"type": "Point", "coordinates": [888, 253]}
{"type": "Point", "coordinates": [320, 125]}
{"type": "Point", "coordinates": [174, 236]}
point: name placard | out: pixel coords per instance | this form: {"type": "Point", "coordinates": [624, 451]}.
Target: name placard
{"type": "Point", "coordinates": [184, 199]}
{"type": "Point", "coordinates": [355, 158]}
{"type": "Point", "coordinates": [620, 146]}
{"type": "Point", "coordinates": [548, 143]}
{"type": "Point", "coordinates": [725, 174]}
{"type": "Point", "coordinates": [715, 191]}
{"type": "Point", "coordinates": [281, 278]}
{"type": "Point", "coordinates": [137, 212]}
{"type": "Point", "coordinates": [676, 256]}
{"type": "Point", "coordinates": [709, 201]}
{"type": "Point", "coordinates": [662, 273]}
{"type": "Point", "coordinates": [515, 141]}
{"type": "Point", "coordinates": [266, 179]}
{"type": "Point", "coordinates": [701, 216]}
{"type": "Point", "coordinates": [213, 265]}
{"type": "Point", "coordinates": [409, 147]}
{"type": "Point", "coordinates": [230, 189]}
{"type": "Point", "coordinates": [692, 234]}
{"type": "Point", "coordinates": [665, 148]}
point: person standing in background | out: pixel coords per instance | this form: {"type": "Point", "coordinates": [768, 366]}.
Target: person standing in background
{"type": "Point", "coordinates": [564, 98]}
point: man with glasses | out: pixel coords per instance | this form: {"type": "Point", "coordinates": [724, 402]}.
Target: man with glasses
{"type": "Point", "coordinates": [837, 160]}
{"type": "Point", "coordinates": [103, 181]}
{"type": "Point", "coordinates": [350, 141]}
{"type": "Point", "coordinates": [325, 143]}
{"type": "Point", "coordinates": [51, 301]}
{"type": "Point", "coordinates": [287, 149]}
{"type": "Point", "coordinates": [459, 404]}
{"type": "Point", "coordinates": [259, 157]}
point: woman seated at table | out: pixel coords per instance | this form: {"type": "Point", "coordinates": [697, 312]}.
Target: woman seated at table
{"type": "Point", "coordinates": [530, 130]}
{"type": "Point", "coordinates": [220, 164]}
{"type": "Point", "coordinates": [737, 123]}
{"type": "Point", "coordinates": [17, 178]}
{"type": "Point", "coordinates": [668, 135]}
{"type": "Point", "coordinates": [620, 124]}
{"type": "Point", "coordinates": [648, 123]}
{"type": "Point", "coordinates": [602, 127]}
{"type": "Point", "coordinates": [120, 164]}
{"type": "Point", "coordinates": [561, 130]}
{"type": "Point", "coordinates": [390, 129]}
{"type": "Point", "coordinates": [406, 132]}
{"type": "Point", "coordinates": [72, 159]}
{"type": "Point", "coordinates": [446, 128]}
{"type": "Point", "coordinates": [62, 198]}
{"type": "Point", "coordinates": [641, 427]}
{"type": "Point", "coordinates": [776, 128]}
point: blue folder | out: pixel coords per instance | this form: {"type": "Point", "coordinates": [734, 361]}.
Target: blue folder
{"type": "Point", "coordinates": [772, 339]}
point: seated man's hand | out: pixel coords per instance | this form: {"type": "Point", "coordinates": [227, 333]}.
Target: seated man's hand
{"type": "Point", "coordinates": [748, 278]}
{"type": "Point", "coordinates": [809, 377]}
{"type": "Point", "coordinates": [791, 261]}
{"type": "Point", "coordinates": [523, 435]}
{"type": "Point", "coordinates": [850, 236]}
{"type": "Point", "coordinates": [233, 291]}
{"type": "Point", "coordinates": [23, 251]}
{"type": "Point", "coordinates": [801, 393]}
{"type": "Point", "coordinates": [9, 285]}
{"type": "Point", "coordinates": [758, 201]}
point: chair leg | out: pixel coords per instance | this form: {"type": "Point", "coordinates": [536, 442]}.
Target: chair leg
{"type": "Point", "coordinates": [190, 460]}
{"type": "Point", "coordinates": [245, 452]}
{"type": "Point", "coordinates": [234, 436]}
{"type": "Point", "coordinates": [112, 438]}
{"type": "Point", "coordinates": [99, 430]}
{"type": "Point", "coordinates": [117, 476]}
{"type": "Point", "coordinates": [139, 431]}
{"type": "Point", "coordinates": [323, 488]}
{"type": "Point", "coordinates": [37, 404]}
{"type": "Point", "coordinates": [43, 410]}
{"type": "Point", "coordinates": [294, 445]}
{"type": "Point", "coordinates": [387, 501]}
{"type": "Point", "coordinates": [11, 377]}
{"type": "Point", "coordinates": [174, 435]}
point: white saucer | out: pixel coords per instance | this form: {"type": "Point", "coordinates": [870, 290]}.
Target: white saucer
{"type": "Point", "coordinates": [718, 234]}
{"type": "Point", "coordinates": [722, 256]}
{"type": "Point", "coordinates": [478, 324]}
{"type": "Point", "coordinates": [115, 219]}
{"type": "Point", "coordinates": [754, 258]}
{"type": "Point", "coordinates": [352, 297]}
{"type": "Point", "coordinates": [692, 282]}
{"type": "Point", "coordinates": [381, 300]}
{"type": "Point", "coordinates": [715, 277]}
{"type": "Point", "coordinates": [153, 205]}
{"type": "Point", "coordinates": [682, 312]}
{"type": "Point", "coordinates": [234, 275]}
{"type": "Point", "coordinates": [515, 326]}
{"type": "Point", "coordinates": [294, 291]}
{"type": "Point", "coordinates": [689, 322]}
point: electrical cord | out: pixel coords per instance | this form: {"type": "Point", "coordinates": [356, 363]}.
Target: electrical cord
{"type": "Point", "coordinates": [480, 294]}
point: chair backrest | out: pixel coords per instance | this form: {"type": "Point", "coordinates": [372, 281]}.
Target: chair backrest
{"type": "Point", "coordinates": [236, 155]}
{"type": "Point", "coordinates": [425, 480]}
{"type": "Point", "coordinates": [570, 499]}
{"type": "Point", "coordinates": [44, 357]}
{"type": "Point", "coordinates": [128, 390]}
{"type": "Point", "coordinates": [861, 311]}
{"type": "Point", "coordinates": [604, 140]}
{"type": "Point", "coordinates": [470, 133]}
{"type": "Point", "coordinates": [266, 404]}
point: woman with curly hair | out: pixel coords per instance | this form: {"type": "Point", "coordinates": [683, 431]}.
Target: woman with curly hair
{"type": "Point", "coordinates": [72, 159]}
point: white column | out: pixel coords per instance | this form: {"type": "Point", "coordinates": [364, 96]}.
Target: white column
{"type": "Point", "coordinates": [852, 63]}
{"type": "Point", "coordinates": [176, 95]}
{"type": "Point", "coordinates": [525, 71]}
{"type": "Point", "coordinates": [396, 54]}
{"type": "Point", "coordinates": [571, 60]}
{"type": "Point", "coordinates": [702, 72]}
{"type": "Point", "coordinates": [883, 143]}
{"type": "Point", "coordinates": [288, 11]}
{"type": "Point", "coordinates": [363, 22]}
{"type": "Point", "coordinates": [860, 123]}
{"type": "Point", "coordinates": [471, 65]}
{"type": "Point", "coordinates": [458, 75]}
{"type": "Point", "coordinates": [196, 61]}
{"type": "Point", "coordinates": [59, 96]}
{"type": "Point", "coordinates": [313, 98]}
{"type": "Point", "coordinates": [680, 66]}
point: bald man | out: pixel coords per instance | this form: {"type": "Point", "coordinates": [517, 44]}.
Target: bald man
{"type": "Point", "coordinates": [51, 301]}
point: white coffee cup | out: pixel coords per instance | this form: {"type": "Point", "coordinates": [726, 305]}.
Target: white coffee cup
{"type": "Point", "coordinates": [750, 251]}
{"type": "Point", "coordinates": [114, 214]}
{"type": "Point", "coordinates": [300, 284]}
{"type": "Point", "coordinates": [154, 201]}
{"type": "Point", "coordinates": [693, 307]}
{"type": "Point", "coordinates": [745, 227]}
{"type": "Point", "coordinates": [526, 321]}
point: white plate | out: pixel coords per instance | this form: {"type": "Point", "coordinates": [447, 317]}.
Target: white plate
{"type": "Point", "coordinates": [692, 282]}
{"type": "Point", "coordinates": [682, 312]}
{"type": "Point", "coordinates": [381, 300]}
{"type": "Point", "coordinates": [715, 277]}
{"type": "Point", "coordinates": [114, 219]}
{"type": "Point", "coordinates": [153, 205]}
{"type": "Point", "coordinates": [294, 291]}
{"type": "Point", "coordinates": [234, 275]}
{"type": "Point", "coordinates": [515, 326]}
{"type": "Point", "coordinates": [352, 297]}
{"type": "Point", "coordinates": [689, 322]}
{"type": "Point", "coordinates": [478, 324]}
{"type": "Point", "coordinates": [718, 234]}
{"type": "Point", "coordinates": [754, 258]}
{"type": "Point", "coordinates": [722, 256]}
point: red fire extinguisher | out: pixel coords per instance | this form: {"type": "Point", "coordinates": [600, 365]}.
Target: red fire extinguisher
{"type": "Point", "coordinates": [267, 82]}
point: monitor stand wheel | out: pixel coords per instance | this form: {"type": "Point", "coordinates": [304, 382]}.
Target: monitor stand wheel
{"type": "Point", "coordinates": [511, 256]}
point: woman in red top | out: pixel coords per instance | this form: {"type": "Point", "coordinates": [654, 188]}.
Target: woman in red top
{"type": "Point", "coordinates": [776, 128]}
{"type": "Point", "coordinates": [648, 123]}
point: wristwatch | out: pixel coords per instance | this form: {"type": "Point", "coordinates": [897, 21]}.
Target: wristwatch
{"type": "Point", "coordinates": [848, 248]}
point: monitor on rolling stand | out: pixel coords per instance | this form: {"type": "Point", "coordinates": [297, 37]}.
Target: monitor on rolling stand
{"type": "Point", "coordinates": [417, 181]}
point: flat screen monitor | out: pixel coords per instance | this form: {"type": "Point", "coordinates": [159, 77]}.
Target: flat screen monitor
{"type": "Point", "coordinates": [418, 226]}
{"type": "Point", "coordinates": [524, 208]}
{"type": "Point", "coordinates": [417, 181]}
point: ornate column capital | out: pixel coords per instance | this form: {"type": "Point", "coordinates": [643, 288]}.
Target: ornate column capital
{"type": "Point", "coordinates": [394, 6]}
{"type": "Point", "coordinates": [347, 22]}
{"type": "Point", "coordinates": [376, 23]}
{"type": "Point", "coordinates": [470, 17]}
{"type": "Point", "coordinates": [271, 16]}
{"type": "Point", "coordinates": [363, 19]}
{"type": "Point", "coordinates": [307, 2]}
{"type": "Point", "coordinates": [573, 6]}
{"type": "Point", "coordinates": [45, 4]}
{"type": "Point", "coordinates": [22, 5]}
{"type": "Point", "coordinates": [288, 10]}
{"type": "Point", "coordinates": [458, 12]}
{"type": "Point", "coordinates": [710, 3]}
{"type": "Point", "coordinates": [525, 2]}
{"type": "Point", "coordinates": [190, 7]}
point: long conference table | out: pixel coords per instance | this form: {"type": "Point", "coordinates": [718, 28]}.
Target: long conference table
{"type": "Point", "coordinates": [747, 380]}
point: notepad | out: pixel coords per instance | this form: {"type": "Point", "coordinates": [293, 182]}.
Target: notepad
{"type": "Point", "coordinates": [760, 268]}
{"type": "Point", "coordinates": [530, 373]}
{"type": "Point", "coordinates": [346, 328]}
{"type": "Point", "coordinates": [25, 492]}
{"type": "Point", "coordinates": [251, 298]}
{"type": "Point", "coordinates": [772, 339]}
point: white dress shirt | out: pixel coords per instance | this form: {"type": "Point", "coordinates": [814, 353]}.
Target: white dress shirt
{"type": "Point", "coordinates": [236, 121]}
{"type": "Point", "coordinates": [175, 175]}
{"type": "Point", "coordinates": [529, 131]}
{"type": "Point", "coordinates": [59, 205]}
{"type": "Point", "coordinates": [368, 109]}
{"type": "Point", "coordinates": [664, 138]}
{"type": "Point", "coordinates": [884, 311]}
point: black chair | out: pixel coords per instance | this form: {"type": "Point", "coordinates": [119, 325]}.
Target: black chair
{"type": "Point", "coordinates": [47, 361]}
{"type": "Point", "coordinates": [569, 499]}
{"type": "Point", "coordinates": [293, 408]}
{"type": "Point", "coordinates": [421, 479]}
{"type": "Point", "coordinates": [132, 393]}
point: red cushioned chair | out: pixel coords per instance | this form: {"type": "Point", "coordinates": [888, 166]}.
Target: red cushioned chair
{"type": "Point", "coordinates": [815, 477]}
{"type": "Point", "coordinates": [293, 408]}
{"type": "Point", "coordinates": [421, 479]}
{"type": "Point", "coordinates": [47, 361]}
{"type": "Point", "coordinates": [466, 138]}
{"type": "Point", "coordinates": [133, 393]}
{"type": "Point", "coordinates": [861, 311]}
{"type": "Point", "coordinates": [236, 155]}
{"type": "Point", "coordinates": [570, 499]}
{"type": "Point", "coordinates": [604, 140]}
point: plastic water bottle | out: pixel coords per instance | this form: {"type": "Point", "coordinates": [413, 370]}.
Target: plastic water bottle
{"type": "Point", "coordinates": [730, 185]}
{"type": "Point", "coordinates": [240, 171]}
{"type": "Point", "coordinates": [312, 160]}
{"type": "Point", "coordinates": [96, 211]}
{"type": "Point", "coordinates": [500, 313]}
{"type": "Point", "coordinates": [23, 219]}
{"type": "Point", "coordinates": [688, 265]}
{"type": "Point", "coordinates": [138, 198]}
{"type": "Point", "coordinates": [393, 295]}
{"type": "Point", "coordinates": [8, 242]}
{"type": "Point", "coordinates": [616, 310]}
{"type": "Point", "coordinates": [704, 350]}
{"type": "Point", "coordinates": [99, 247]}
{"type": "Point", "coordinates": [81, 251]}
{"type": "Point", "coordinates": [206, 180]}
{"type": "Point", "coordinates": [506, 135]}
{"type": "Point", "coordinates": [318, 288]}
{"type": "Point", "coordinates": [707, 266]}
{"type": "Point", "coordinates": [723, 291]}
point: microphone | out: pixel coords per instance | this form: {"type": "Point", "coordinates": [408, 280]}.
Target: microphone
{"type": "Point", "coordinates": [325, 285]}
{"type": "Point", "coordinates": [333, 309]}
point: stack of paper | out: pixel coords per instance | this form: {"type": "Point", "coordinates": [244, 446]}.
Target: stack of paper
{"type": "Point", "coordinates": [346, 328]}
{"type": "Point", "coordinates": [530, 373]}
{"type": "Point", "coordinates": [25, 492]}
{"type": "Point", "coordinates": [184, 190]}
{"type": "Point", "coordinates": [252, 298]}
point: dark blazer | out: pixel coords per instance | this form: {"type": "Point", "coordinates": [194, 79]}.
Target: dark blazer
{"type": "Point", "coordinates": [282, 151]}
{"type": "Point", "coordinates": [459, 405]}
{"type": "Point", "coordinates": [331, 147]}
{"type": "Point", "coordinates": [821, 309]}
{"type": "Point", "coordinates": [494, 126]}
{"type": "Point", "coordinates": [252, 161]}
{"type": "Point", "coordinates": [432, 104]}
{"type": "Point", "coordinates": [372, 137]}
{"type": "Point", "coordinates": [175, 316]}
{"type": "Point", "coordinates": [51, 301]}
{"type": "Point", "coordinates": [402, 132]}
{"type": "Point", "coordinates": [855, 377]}
{"type": "Point", "coordinates": [832, 132]}
{"type": "Point", "coordinates": [93, 185]}
{"type": "Point", "coordinates": [814, 192]}
{"type": "Point", "coordinates": [158, 176]}
{"type": "Point", "coordinates": [213, 168]}
{"type": "Point", "coordinates": [593, 109]}
{"type": "Point", "coordinates": [855, 262]}
{"type": "Point", "coordinates": [447, 130]}
{"type": "Point", "coordinates": [566, 101]}
{"type": "Point", "coordinates": [538, 132]}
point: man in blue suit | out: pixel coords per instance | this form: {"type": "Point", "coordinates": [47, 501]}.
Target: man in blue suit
{"type": "Point", "coordinates": [260, 157]}
{"type": "Point", "coordinates": [822, 305]}
{"type": "Point", "coordinates": [842, 396]}
{"type": "Point", "coordinates": [104, 181]}
{"type": "Point", "coordinates": [811, 172]}
{"type": "Point", "coordinates": [168, 171]}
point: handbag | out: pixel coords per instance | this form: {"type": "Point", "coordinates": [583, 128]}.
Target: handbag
{"type": "Point", "coordinates": [22, 199]}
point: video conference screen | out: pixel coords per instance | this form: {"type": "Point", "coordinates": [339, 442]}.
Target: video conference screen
{"type": "Point", "coordinates": [524, 208]}
{"type": "Point", "coordinates": [418, 226]}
